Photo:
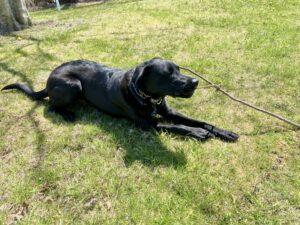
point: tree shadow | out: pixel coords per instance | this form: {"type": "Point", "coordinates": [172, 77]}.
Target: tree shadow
{"type": "Point", "coordinates": [144, 147]}
{"type": "Point", "coordinates": [23, 77]}
{"type": "Point", "coordinates": [5, 67]}
{"type": "Point", "coordinates": [35, 41]}
{"type": "Point", "coordinates": [39, 135]}
{"type": "Point", "coordinates": [41, 55]}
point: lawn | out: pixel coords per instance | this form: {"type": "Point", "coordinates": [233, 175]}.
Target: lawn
{"type": "Point", "coordinates": [101, 170]}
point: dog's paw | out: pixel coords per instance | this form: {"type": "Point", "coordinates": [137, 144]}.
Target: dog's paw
{"type": "Point", "coordinates": [225, 135]}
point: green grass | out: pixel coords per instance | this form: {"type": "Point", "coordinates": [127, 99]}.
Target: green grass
{"type": "Point", "coordinates": [102, 170]}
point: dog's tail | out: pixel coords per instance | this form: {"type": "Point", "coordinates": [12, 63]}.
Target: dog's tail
{"type": "Point", "coordinates": [27, 90]}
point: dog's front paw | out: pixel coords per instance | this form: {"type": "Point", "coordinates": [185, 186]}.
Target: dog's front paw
{"type": "Point", "coordinates": [225, 135]}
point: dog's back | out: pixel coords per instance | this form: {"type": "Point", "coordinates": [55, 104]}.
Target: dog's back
{"type": "Point", "coordinates": [97, 83]}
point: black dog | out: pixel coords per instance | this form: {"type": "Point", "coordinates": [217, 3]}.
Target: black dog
{"type": "Point", "coordinates": [137, 94]}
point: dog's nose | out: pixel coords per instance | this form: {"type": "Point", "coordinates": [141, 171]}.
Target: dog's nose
{"type": "Point", "coordinates": [194, 82]}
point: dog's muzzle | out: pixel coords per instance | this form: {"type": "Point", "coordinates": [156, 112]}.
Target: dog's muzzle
{"type": "Point", "coordinates": [189, 88]}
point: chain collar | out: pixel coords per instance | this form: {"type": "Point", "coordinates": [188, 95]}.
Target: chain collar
{"type": "Point", "coordinates": [142, 95]}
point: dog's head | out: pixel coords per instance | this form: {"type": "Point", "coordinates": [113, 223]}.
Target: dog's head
{"type": "Point", "coordinates": [158, 78]}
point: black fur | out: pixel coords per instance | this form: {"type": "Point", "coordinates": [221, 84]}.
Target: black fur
{"type": "Point", "coordinates": [137, 94]}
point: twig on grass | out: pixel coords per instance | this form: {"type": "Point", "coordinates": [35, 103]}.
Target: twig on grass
{"type": "Point", "coordinates": [218, 88]}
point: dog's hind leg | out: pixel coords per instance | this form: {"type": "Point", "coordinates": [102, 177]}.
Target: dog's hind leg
{"type": "Point", "coordinates": [62, 94]}
{"type": "Point", "coordinates": [65, 113]}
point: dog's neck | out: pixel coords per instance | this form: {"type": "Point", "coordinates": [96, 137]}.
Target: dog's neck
{"type": "Point", "coordinates": [139, 94]}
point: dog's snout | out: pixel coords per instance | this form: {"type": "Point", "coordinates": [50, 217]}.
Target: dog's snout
{"type": "Point", "coordinates": [194, 82]}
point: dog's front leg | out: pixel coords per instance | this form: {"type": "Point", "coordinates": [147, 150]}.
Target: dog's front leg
{"type": "Point", "coordinates": [175, 117]}
{"type": "Point", "coordinates": [194, 132]}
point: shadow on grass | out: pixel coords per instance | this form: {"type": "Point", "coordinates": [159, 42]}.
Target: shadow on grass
{"type": "Point", "coordinates": [41, 55]}
{"type": "Point", "coordinates": [143, 146]}
{"type": "Point", "coordinates": [23, 77]}
{"type": "Point", "coordinates": [39, 135]}
{"type": "Point", "coordinates": [5, 67]}
{"type": "Point", "coordinates": [35, 41]}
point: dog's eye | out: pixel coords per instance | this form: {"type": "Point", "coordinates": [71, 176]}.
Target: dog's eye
{"type": "Point", "coordinates": [174, 68]}
{"type": "Point", "coordinates": [170, 70]}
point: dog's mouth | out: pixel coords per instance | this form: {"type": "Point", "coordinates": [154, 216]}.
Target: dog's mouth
{"type": "Point", "coordinates": [188, 89]}
{"type": "Point", "coordinates": [188, 94]}
{"type": "Point", "coordinates": [185, 93]}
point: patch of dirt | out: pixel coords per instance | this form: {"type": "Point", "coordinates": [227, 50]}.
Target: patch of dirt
{"type": "Point", "coordinates": [90, 204]}
{"type": "Point", "coordinates": [18, 213]}
{"type": "Point", "coordinates": [43, 195]}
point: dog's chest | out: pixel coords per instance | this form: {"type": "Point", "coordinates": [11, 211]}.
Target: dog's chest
{"type": "Point", "coordinates": [147, 111]}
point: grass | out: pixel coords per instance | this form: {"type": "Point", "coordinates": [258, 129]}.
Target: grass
{"type": "Point", "coordinates": [102, 170]}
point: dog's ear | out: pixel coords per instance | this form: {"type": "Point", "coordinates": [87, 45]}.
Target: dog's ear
{"type": "Point", "coordinates": [142, 72]}
{"type": "Point", "coordinates": [144, 68]}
